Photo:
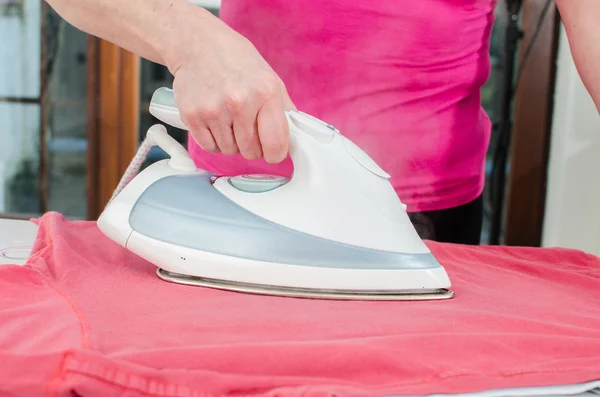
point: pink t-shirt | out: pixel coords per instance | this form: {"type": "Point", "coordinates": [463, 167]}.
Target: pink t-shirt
{"type": "Point", "coordinates": [85, 317]}
{"type": "Point", "coordinates": [400, 78]}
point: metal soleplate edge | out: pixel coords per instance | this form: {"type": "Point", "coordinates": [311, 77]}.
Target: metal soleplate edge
{"type": "Point", "coordinates": [258, 289]}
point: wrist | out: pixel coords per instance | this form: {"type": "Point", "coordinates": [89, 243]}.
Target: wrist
{"type": "Point", "coordinates": [187, 31]}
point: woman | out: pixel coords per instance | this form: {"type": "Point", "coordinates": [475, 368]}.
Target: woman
{"type": "Point", "coordinates": [399, 78]}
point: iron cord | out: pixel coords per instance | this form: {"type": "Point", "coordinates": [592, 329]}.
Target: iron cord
{"type": "Point", "coordinates": [134, 166]}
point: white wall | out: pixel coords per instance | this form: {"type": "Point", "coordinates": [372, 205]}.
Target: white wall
{"type": "Point", "coordinates": [572, 216]}
{"type": "Point", "coordinates": [19, 76]}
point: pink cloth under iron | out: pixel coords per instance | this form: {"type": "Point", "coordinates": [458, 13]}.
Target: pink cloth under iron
{"type": "Point", "coordinates": [86, 317]}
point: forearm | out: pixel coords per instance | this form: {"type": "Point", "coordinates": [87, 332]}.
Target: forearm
{"type": "Point", "coordinates": [157, 30]}
{"type": "Point", "coordinates": [581, 19]}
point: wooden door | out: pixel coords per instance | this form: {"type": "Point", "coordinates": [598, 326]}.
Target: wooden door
{"type": "Point", "coordinates": [533, 108]}
{"type": "Point", "coordinates": [113, 119]}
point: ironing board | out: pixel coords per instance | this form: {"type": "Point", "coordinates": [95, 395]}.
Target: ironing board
{"type": "Point", "coordinates": [17, 238]}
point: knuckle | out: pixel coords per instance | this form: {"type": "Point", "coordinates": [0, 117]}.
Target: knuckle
{"type": "Point", "coordinates": [252, 152]}
{"type": "Point", "coordinates": [209, 111]}
{"type": "Point", "coordinates": [252, 155]}
{"type": "Point", "coordinates": [235, 102]}
{"type": "Point", "coordinates": [229, 149]}
{"type": "Point", "coordinates": [205, 140]}
{"type": "Point", "coordinates": [266, 88]}
{"type": "Point", "coordinates": [211, 147]}
{"type": "Point", "coordinates": [188, 115]}
{"type": "Point", "coordinates": [275, 151]}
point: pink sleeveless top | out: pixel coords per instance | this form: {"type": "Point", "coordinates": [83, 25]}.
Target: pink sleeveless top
{"type": "Point", "coordinates": [400, 78]}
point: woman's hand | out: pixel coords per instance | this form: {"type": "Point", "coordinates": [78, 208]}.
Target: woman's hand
{"type": "Point", "coordinates": [227, 94]}
{"type": "Point", "coordinates": [230, 98]}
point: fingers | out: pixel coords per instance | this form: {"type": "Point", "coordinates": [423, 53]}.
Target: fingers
{"type": "Point", "coordinates": [204, 139]}
{"type": "Point", "coordinates": [246, 134]}
{"type": "Point", "coordinates": [208, 128]}
{"type": "Point", "coordinates": [243, 115]}
{"type": "Point", "coordinates": [260, 126]}
{"type": "Point", "coordinates": [222, 133]}
{"type": "Point", "coordinates": [273, 131]}
{"type": "Point", "coordinates": [199, 130]}
{"type": "Point", "coordinates": [249, 120]}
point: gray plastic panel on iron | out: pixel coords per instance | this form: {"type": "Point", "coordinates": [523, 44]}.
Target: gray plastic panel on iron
{"type": "Point", "coordinates": [186, 210]}
{"type": "Point", "coordinates": [165, 97]}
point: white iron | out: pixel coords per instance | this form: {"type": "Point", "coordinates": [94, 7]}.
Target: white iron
{"type": "Point", "coordinates": [335, 230]}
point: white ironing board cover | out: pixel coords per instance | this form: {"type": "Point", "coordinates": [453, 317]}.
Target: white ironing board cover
{"type": "Point", "coordinates": [16, 239]}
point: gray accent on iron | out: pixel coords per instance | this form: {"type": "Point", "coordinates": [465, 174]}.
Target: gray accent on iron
{"type": "Point", "coordinates": [186, 210]}
{"type": "Point", "coordinates": [164, 97]}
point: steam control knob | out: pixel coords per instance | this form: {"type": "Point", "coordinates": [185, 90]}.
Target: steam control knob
{"type": "Point", "coordinates": [257, 183]}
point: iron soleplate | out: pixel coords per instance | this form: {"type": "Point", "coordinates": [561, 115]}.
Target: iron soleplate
{"type": "Point", "coordinates": [258, 289]}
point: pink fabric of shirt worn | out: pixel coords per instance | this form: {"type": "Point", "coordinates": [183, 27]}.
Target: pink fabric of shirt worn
{"type": "Point", "coordinates": [400, 78]}
{"type": "Point", "coordinates": [86, 317]}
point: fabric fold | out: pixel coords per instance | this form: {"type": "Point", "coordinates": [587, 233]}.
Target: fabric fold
{"type": "Point", "coordinates": [86, 316]}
